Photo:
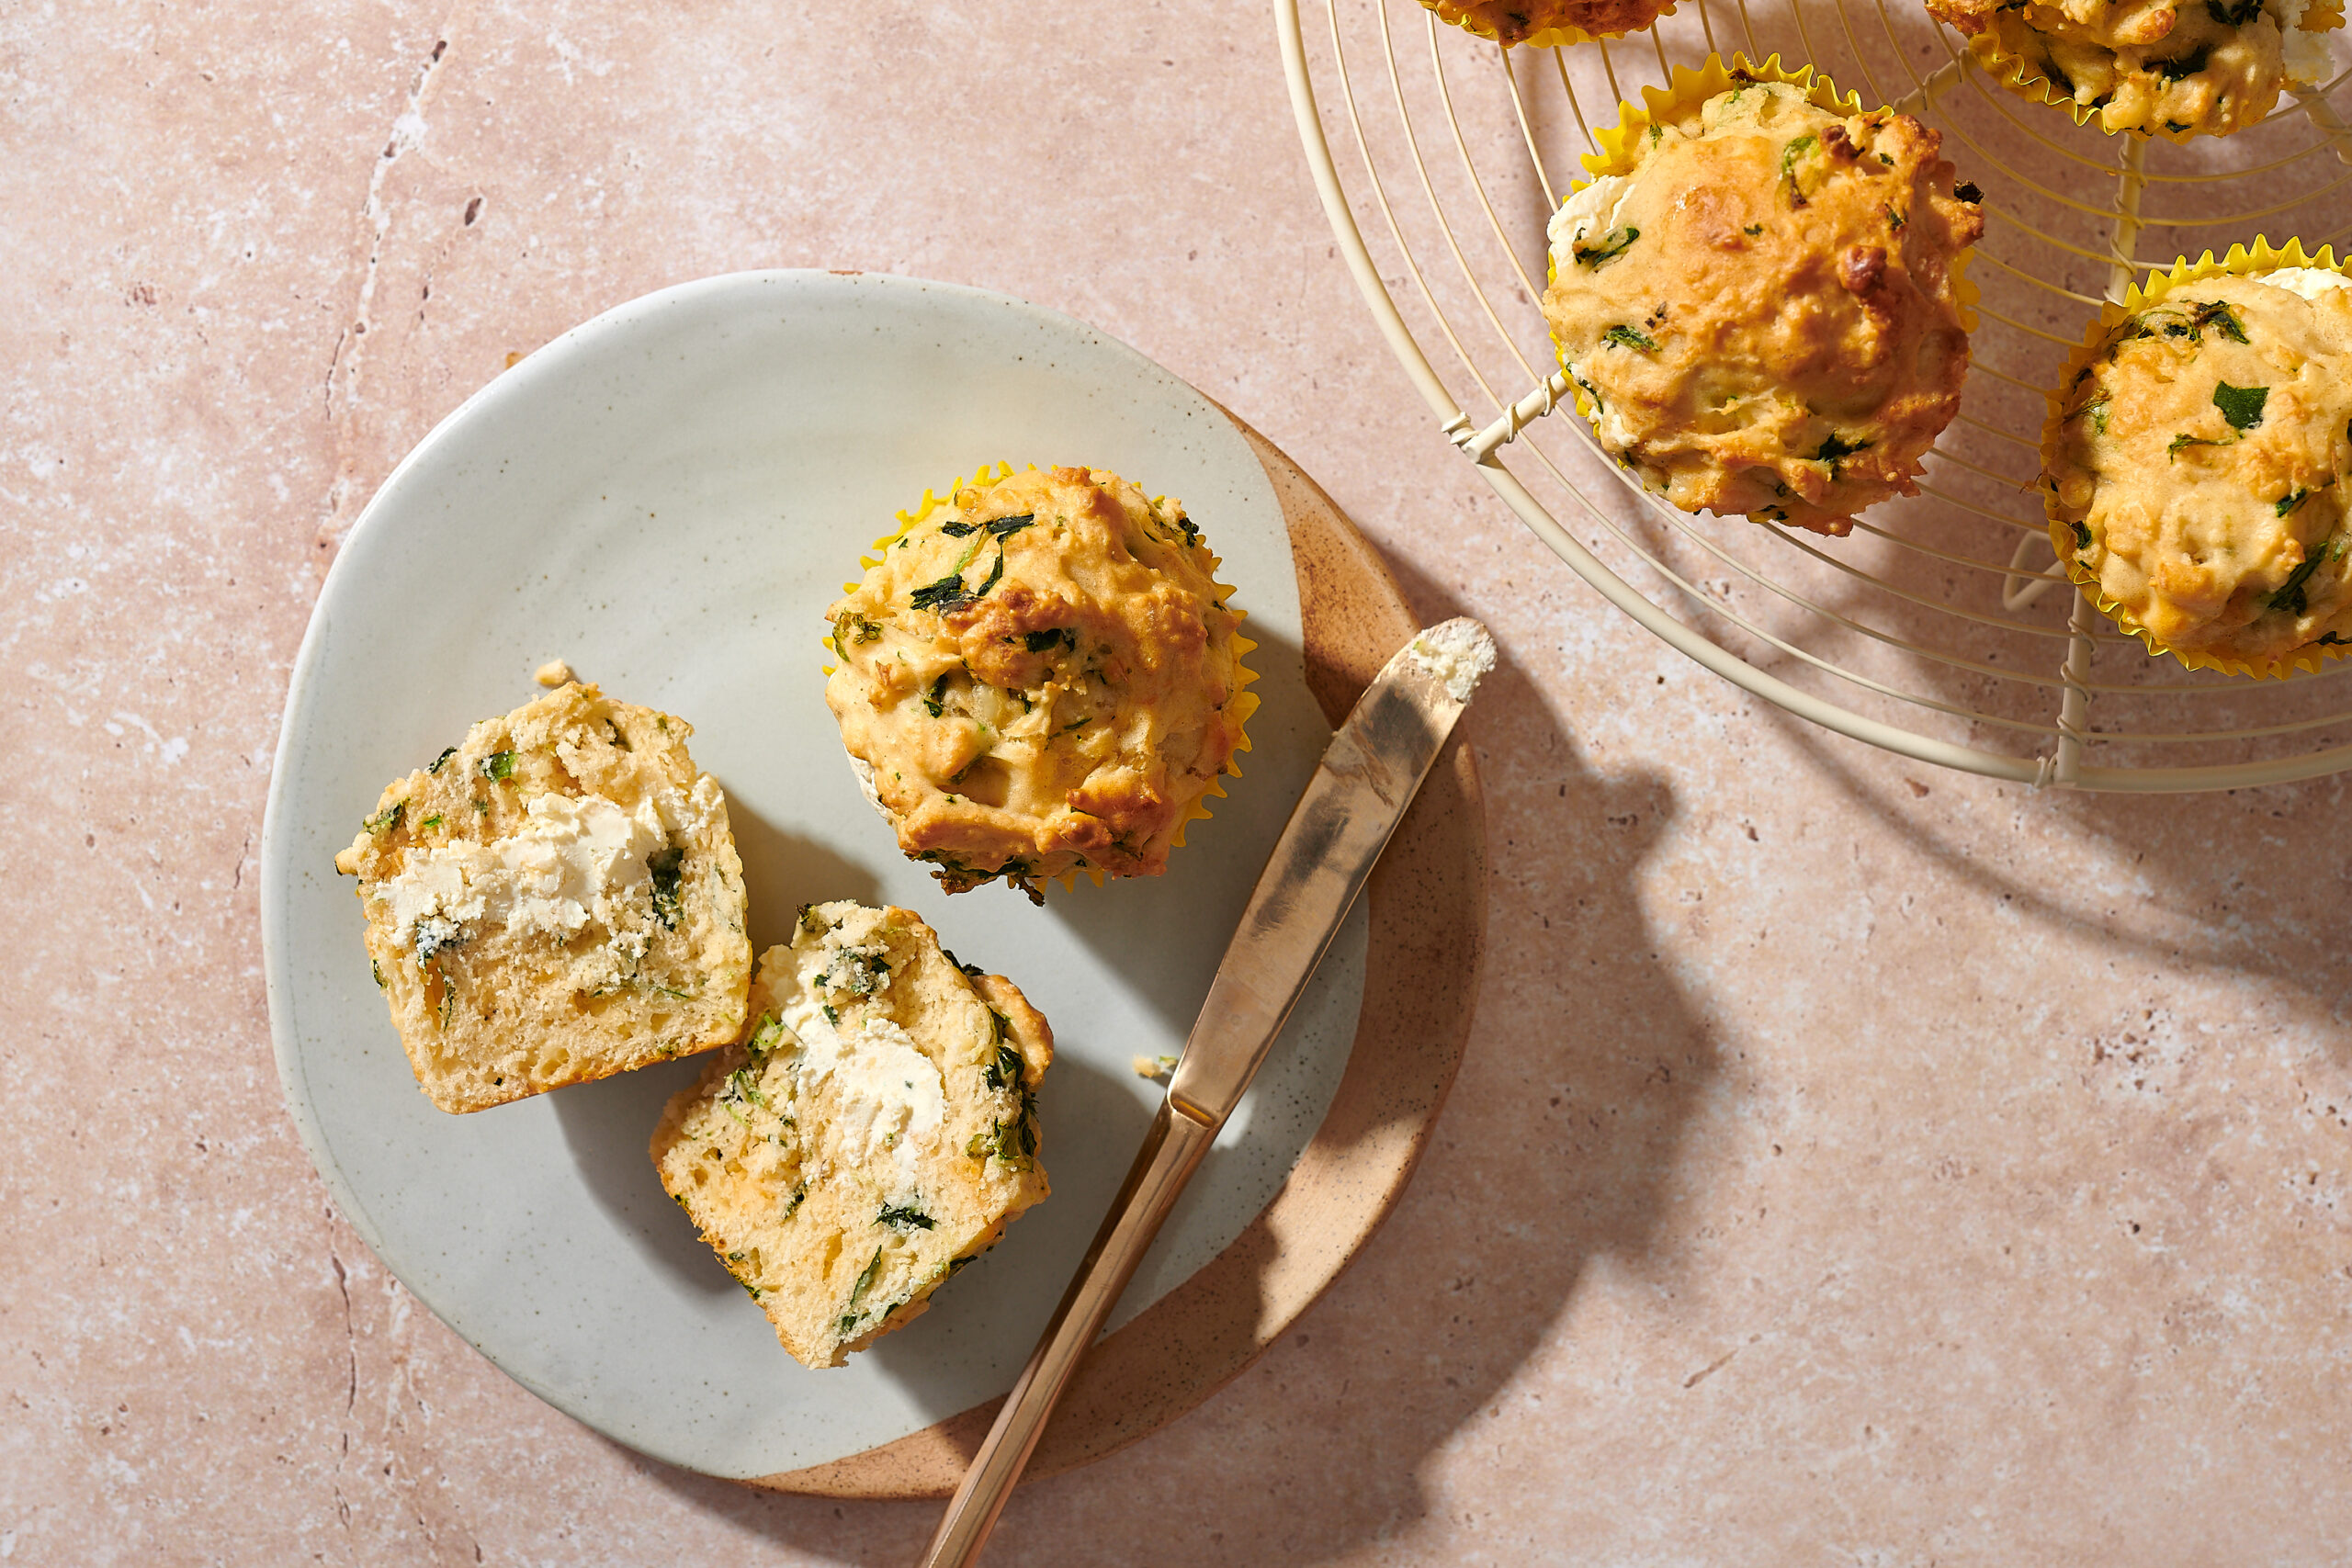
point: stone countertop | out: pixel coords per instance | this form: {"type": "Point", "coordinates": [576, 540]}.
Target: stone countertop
{"type": "Point", "coordinates": [1852, 1162]}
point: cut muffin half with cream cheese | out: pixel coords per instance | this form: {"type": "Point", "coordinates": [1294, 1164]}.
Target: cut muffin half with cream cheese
{"type": "Point", "coordinates": [556, 899]}
{"type": "Point", "coordinates": [875, 1130]}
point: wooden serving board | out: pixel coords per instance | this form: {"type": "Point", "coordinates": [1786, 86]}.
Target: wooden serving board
{"type": "Point", "coordinates": [1429, 918]}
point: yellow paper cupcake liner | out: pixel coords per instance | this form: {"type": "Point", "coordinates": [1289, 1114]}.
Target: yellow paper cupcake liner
{"type": "Point", "coordinates": [1552, 38]}
{"type": "Point", "coordinates": [1686, 90]}
{"type": "Point", "coordinates": [1244, 702]}
{"type": "Point", "coordinates": [2026, 78]}
{"type": "Point", "coordinates": [2242, 262]}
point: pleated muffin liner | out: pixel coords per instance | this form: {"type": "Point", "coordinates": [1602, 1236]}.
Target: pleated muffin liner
{"type": "Point", "coordinates": [1542, 37]}
{"type": "Point", "coordinates": [1242, 704]}
{"type": "Point", "coordinates": [2026, 78]}
{"type": "Point", "coordinates": [1687, 89]}
{"type": "Point", "coordinates": [2241, 262]}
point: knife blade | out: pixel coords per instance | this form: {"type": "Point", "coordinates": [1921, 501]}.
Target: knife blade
{"type": "Point", "coordinates": [1367, 779]}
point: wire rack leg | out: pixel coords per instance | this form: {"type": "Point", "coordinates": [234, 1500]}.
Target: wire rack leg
{"type": "Point", "coordinates": [1481, 444]}
{"type": "Point", "coordinates": [2020, 588]}
{"type": "Point", "coordinates": [2063, 769]}
{"type": "Point", "coordinates": [2324, 116]}
{"type": "Point", "coordinates": [2123, 262]}
{"type": "Point", "coordinates": [1917, 100]}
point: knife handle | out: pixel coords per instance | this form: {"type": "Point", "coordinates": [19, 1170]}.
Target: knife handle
{"type": "Point", "coordinates": [1170, 1151]}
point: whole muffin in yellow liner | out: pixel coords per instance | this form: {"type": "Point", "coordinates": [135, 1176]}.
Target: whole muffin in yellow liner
{"type": "Point", "coordinates": [1543, 24]}
{"type": "Point", "coordinates": [1761, 297]}
{"type": "Point", "coordinates": [2156, 67]}
{"type": "Point", "coordinates": [1039, 675]}
{"type": "Point", "coordinates": [2196, 457]}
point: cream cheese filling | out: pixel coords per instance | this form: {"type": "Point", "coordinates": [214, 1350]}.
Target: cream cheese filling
{"type": "Point", "coordinates": [890, 1100]}
{"type": "Point", "coordinates": [2305, 282]}
{"type": "Point", "coordinates": [2303, 56]}
{"type": "Point", "coordinates": [1457, 653]}
{"type": "Point", "coordinates": [1587, 213]}
{"type": "Point", "coordinates": [573, 860]}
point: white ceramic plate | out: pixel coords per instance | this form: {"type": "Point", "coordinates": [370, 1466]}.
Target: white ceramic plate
{"type": "Point", "coordinates": [668, 497]}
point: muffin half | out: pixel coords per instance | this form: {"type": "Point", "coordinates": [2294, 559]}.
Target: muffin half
{"type": "Point", "coordinates": [875, 1131]}
{"type": "Point", "coordinates": [556, 899]}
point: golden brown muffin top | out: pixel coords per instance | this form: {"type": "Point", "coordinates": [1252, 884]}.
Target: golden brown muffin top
{"type": "Point", "coordinates": [1043, 677]}
{"type": "Point", "coordinates": [2156, 66]}
{"type": "Point", "coordinates": [2199, 468]}
{"type": "Point", "coordinates": [1763, 309]}
{"type": "Point", "coordinates": [1515, 22]}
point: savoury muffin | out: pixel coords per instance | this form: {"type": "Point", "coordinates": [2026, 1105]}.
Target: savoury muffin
{"type": "Point", "coordinates": [1762, 312]}
{"type": "Point", "coordinates": [2152, 66]}
{"type": "Point", "coordinates": [1542, 22]}
{"type": "Point", "coordinates": [1040, 678]}
{"type": "Point", "coordinates": [556, 899]}
{"type": "Point", "coordinates": [2195, 470]}
{"type": "Point", "coordinates": [876, 1131]}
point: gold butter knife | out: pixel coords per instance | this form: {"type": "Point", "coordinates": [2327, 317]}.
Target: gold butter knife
{"type": "Point", "coordinates": [1369, 774]}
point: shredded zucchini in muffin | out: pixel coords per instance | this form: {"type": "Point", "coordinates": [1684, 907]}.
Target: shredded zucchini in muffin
{"type": "Point", "coordinates": [1762, 314]}
{"type": "Point", "coordinates": [1042, 678]}
{"type": "Point", "coordinates": [2200, 470]}
{"type": "Point", "coordinates": [2208, 67]}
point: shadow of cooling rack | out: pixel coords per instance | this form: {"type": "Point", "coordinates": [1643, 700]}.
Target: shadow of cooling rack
{"type": "Point", "coordinates": [1939, 628]}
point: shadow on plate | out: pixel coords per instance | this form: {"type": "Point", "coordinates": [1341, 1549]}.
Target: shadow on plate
{"type": "Point", "coordinates": [1556, 1151]}
{"type": "Point", "coordinates": [606, 1126]}
{"type": "Point", "coordinates": [782, 871]}
{"type": "Point", "coordinates": [1123, 921]}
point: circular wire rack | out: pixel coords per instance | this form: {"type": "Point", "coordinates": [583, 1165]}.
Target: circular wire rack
{"type": "Point", "coordinates": [1942, 627]}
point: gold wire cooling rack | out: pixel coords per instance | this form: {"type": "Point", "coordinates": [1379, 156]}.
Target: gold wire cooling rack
{"type": "Point", "coordinates": [1942, 628]}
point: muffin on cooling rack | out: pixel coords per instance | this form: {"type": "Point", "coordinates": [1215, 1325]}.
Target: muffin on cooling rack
{"type": "Point", "coordinates": [1039, 677]}
{"type": "Point", "coordinates": [2195, 466]}
{"type": "Point", "coordinates": [1760, 300]}
{"type": "Point", "coordinates": [1542, 22]}
{"type": "Point", "coordinates": [2153, 66]}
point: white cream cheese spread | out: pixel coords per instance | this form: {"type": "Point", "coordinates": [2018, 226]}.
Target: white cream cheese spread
{"type": "Point", "coordinates": [1587, 217]}
{"type": "Point", "coordinates": [2308, 282]}
{"type": "Point", "coordinates": [573, 860]}
{"type": "Point", "coordinates": [1457, 652]}
{"type": "Point", "coordinates": [890, 1098]}
{"type": "Point", "coordinates": [1588, 214]}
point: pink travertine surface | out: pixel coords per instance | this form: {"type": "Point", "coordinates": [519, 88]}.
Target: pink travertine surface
{"type": "Point", "coordinates": [1853, 1162]}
